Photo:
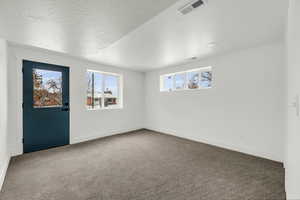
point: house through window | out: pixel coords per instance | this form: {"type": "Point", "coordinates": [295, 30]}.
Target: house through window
{"type": "Point", "coordinates": [103, 90]}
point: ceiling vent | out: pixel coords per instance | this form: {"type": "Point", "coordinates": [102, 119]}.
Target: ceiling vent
{"type": "Point", "coordinates": [187, 8]}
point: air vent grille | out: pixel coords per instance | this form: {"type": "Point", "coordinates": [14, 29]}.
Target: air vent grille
{"type": "Point", "coordinates": [190, 6]}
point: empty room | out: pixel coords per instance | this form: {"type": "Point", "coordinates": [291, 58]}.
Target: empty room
{"type": "Point", "coordinates": [149, 100]}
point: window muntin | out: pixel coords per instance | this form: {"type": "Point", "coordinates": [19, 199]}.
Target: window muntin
{"type": "Point", "coordinates": [194, 79]}
{"type": "Point", "coordinates": [47, 88]}
{"type": "Point", "coordinates": [103, 91]}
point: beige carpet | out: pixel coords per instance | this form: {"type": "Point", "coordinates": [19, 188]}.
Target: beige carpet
{"type": "Point", "coordinates": [142, 165]}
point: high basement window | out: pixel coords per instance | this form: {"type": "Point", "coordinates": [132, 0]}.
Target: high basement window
{"type": "Point", "coordinates": [104, 90]}
{"type": "Point", "coordinates": [200, 78]}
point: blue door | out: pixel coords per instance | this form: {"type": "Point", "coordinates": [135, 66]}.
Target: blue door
{"type": "Point", "coordinates": [46, 116]}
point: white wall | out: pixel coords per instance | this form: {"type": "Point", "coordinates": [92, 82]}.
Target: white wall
{"type": "Point", "coordinates": [292, 160]}
{"type": "Point", "coordinates": [243, 111]}
{"type": "Point", "coordinates": [4, 153]}
{"type": "Point", "coordinates": [84, 125]}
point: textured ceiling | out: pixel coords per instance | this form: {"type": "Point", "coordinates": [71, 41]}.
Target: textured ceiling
{"type": "Point", "coordinates": [171, 38]}
{"type": "Point", "coordinates": [76, 27]}
{"type": "Point", "coordinates": [141, 34]}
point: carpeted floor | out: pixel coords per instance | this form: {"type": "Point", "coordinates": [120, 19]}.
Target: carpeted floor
{"type": "Point", "coordinates": [142, 165]}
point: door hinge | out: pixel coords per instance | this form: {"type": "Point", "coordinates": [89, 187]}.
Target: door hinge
{"type": "Point", "coordinates": [23, 105]}
{"type": "Point", "coordinates": [23, 70]}
{"type": "Point", "coordinates": [23, 140]}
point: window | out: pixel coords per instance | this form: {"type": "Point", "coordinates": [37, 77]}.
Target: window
{"type": "Point", "coordinates": [103, 90]}
{"type": "Point", "coordinates": [200, 78]}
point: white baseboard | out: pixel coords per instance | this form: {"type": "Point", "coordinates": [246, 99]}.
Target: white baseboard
{"type": "Point", "coordinates": [85, 138]}
{"type": "Point", "coordinates": [221, 145]}
{"type": "Point", "coordinates": [249, 151]}
{"type": "Point", "coordinates": [3, 171]}
{"type": "Point", "coordinates": [74, 140]}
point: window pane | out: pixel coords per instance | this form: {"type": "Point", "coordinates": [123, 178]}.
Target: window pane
{"type": "Point", "coordinates": [206, 78]}
{"type": "Point", "coordinates": [111, 92]}
{"type": "Point", "coordinates": [168, 83]}
{"type": "Point", "coordinates": [47, 88]}
{"type": "Point", "coordinates": [98, 78]}
{"type": "Point", "coordinates": [89, 100]}
{"type": "Point", "coordinates": [94, 90]}
{"type": "Point", "coordinates": [193, 80]}
{"type": "Point", "coordinates": [180, 81]}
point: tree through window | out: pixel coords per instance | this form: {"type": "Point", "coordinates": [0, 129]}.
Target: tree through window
{"type": "Point", "coordinates": [47, 88]}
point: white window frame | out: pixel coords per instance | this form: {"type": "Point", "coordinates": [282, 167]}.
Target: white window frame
{"type": "Point", "coordinates": [199, 70]}
{"type": "Point", "coordinates": [120, 90]}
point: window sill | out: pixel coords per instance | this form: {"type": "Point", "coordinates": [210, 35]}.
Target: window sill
{"type": "Point", "coordinates": [181, 90]}
{"type": "Point", "coordinates": [99, 109]}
